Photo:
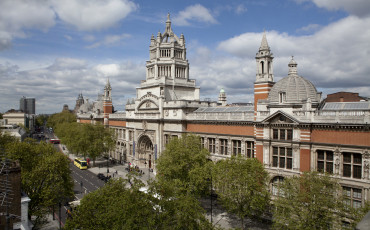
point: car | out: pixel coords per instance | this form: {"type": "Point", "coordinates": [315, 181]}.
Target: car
{"type": "Point", "coordinates": [101, 176]}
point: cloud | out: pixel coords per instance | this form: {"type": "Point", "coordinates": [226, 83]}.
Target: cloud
{"type": "Point", "coordinates": [240, 9]}
{"type": "Point", "coordinates": [194, 13]}
{"type": "Point", "coordinates": [109, 40]}
{"type": "Point", "coordinates": [360, 8]}
{"type": "Point", "coordinates": [62, 81]}
{"type": "Point", "coordinates": [331, 58]}
{"type": "Point", "coordinates": [89, 15]}
{"type": "Point", "coordinates": [18, 16]}
{"type": "Point", "coordinates": [309, 28]}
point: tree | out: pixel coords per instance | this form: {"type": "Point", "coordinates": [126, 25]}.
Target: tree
{"type": "Point", "coordinates": [63, 117]}
{"type": "Point", "coordinates": [120, 206]}
{"type": "Point", "coordinates": [46, 177]}
{"type": "Point", "coordinates": [184, 163]}
{"type": "Point", "coordinates": [242, 186]}
{"type": "Point", "coordinates": [309, 201]}
{"type": "Point", "coordinates": [41, 119]}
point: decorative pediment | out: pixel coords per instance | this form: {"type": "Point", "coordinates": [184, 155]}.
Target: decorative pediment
{"type": "Point", "coordinates": [280, 117]}
{"type": "Point", "coordinates": [147, 105]}
{"type": "Point", "coordinates": [149, 95]}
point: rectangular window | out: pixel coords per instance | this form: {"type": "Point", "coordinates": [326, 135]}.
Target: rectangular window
{"type": "Point", "coordinates": [237, 147]}
{"type": "Point", "coordinates": [282, 157]}
{"type": "Point", "coordinates": [325, 161]}
{"type": "Point", "coordinates": [166, 139]}
{"type": "Point", "coordinates": [130, 135]}
{"type": "Point", "coordinates": [352, 197]}
{"type": "Point", "coordinates": [275, 134]}
{"type": "Point", "coordinates": [212, 145]}
{"type": "Point", "coordinates": [223, 146]}
{"type": "Point", "coordinates": [289, 134]}
{"type": "Point", "coordinates": [352, 165]}
{"type": "Point", "coordinates": [249, 145]}
{"type": "Point", "coordinates": [202, 142]}
{"type": "Point", "coordinates": [282, 134]}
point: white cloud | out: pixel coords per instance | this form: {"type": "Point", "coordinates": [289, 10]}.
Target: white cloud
{"type": "Point", "coordinates": [240, 9]}
{"type": "Point", "coordinates": [61, 82]}
{"type": "Point", "coordinates": [309, 28]}
{"type": "Point", "coordinates": [355, 7]}
{"type": "Point", "coordinates": [109, 40]}
{"type": "Point", "coordinates": [194, 13]}
{"type": "Point", "coordinates": [332, 59]}
{"type": "Point", "coordinates": [359, 8]}
{"type": "Point", "coordinates": [91, 15]}
{"type": "Point", "coordinates": [17, 16]}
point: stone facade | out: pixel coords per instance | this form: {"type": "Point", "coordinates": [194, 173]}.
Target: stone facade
{"type": "Point", "coordinates": [289, 129]}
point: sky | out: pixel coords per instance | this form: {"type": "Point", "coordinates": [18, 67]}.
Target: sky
{"type": "Point", "coordinates": [52, 50]}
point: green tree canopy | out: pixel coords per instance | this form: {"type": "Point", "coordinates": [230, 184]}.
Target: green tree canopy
{"type": "Point", "coordinates": [86, 139]}
{"type": "Point", "coordinates": [185, 163]}
{"type": "Point", "coordinates": [310, 201]}
{"type": "Point", "coordinates": [242, 186]}
{"type": "Point", "coordinates": [41, 119]}
{"type": "Point", "coordinates": [119, 205]}
{"type": "Point", "coordinates": [63, 117]}
{"type": "Point", "coordinates": [46, 177]}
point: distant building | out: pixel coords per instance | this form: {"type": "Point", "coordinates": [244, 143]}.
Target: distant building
{"type": "Point", "coordinates": [18, 117]}
{"type": "Point", "coordinates": [344, 97]}
{"type": "Point", "coordinates": [27, 105]}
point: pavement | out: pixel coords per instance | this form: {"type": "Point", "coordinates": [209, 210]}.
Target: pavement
{"type": "Point", "coordinates": [219, 216]}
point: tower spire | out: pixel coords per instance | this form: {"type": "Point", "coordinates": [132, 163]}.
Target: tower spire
{"type": "Point", "coordinates": [168, 24]}
{"type": "Point", "coordinates": [264, 44]}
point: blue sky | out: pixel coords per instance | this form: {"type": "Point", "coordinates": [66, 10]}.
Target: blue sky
{"type": "Point", "coordinates": [53, 50]}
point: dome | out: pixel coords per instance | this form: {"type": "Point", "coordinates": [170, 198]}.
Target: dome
{"type": "Point", "coordinates": [293, 88]}
{"type": "Point", "coordinates": [222, 90]}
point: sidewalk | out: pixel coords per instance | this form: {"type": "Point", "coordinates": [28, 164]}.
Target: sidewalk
{"type": "Point", "coordinates": [114, 170]}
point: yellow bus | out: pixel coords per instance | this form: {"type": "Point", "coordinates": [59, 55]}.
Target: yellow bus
{"type": "Point", "coordinates": [81, 164]}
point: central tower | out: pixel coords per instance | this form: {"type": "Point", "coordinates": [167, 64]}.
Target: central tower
{"type": "Point", "coordinates": [168, 67]}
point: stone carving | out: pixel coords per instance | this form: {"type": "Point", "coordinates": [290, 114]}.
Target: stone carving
{"type": "Point", "coordinates": [147, 104]}
{"type": "Point", "coordinates": [366, 169]}
{"type": "Point", "coordinates": [166, 113]}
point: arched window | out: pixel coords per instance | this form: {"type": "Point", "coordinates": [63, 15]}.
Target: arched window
{"type": "Point", "coordinates": [262, 67]}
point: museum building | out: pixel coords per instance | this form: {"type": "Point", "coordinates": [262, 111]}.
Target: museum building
{"type": "Point", "coordinates": [289, 128]}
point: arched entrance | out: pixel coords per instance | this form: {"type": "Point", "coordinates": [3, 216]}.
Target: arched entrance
{"type": "Point", "coordinates": [145, 151]}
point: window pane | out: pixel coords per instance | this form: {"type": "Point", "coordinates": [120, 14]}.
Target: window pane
{"type": "Point", "coordinates": [289, 152]}
{"type": "Point", "coordinates": [274, 162]}
{"type": "Point", "coordinates": [282, 134]}
{"type": "Point", "coordinates": [329, 155]}
{"type": "Point", "coordinates": [347, 191]}
{"type": "Point", "coordinates": [282, 151]}
{"type": "Point", "coordinates": [356, 204]}
{"type": "Point", "coordinates": [289, 163]}
{"type": "Point", "coordinates": [357, 159]}
{"type": "Point", "coordinates": [347, 157]}
{"type": "Point", "coordinates": [289, 134]}
{"type": "Point", "coordinates": [357, 171]}
{"type": "Point", "coordinates": [275, 151]}
{"type": "Point", "coordinates": [346, 170]}
{"type": "Point", "coordinates": [275, 134]}
{"type": "Point", "coordinates": [320, 166]}
{"type": "Point", "coordinates": [357, 193]}
{"type": "Point", "coordinates": [282, 162]}
{"type": "Point", "coordinates": [329, 167]}
{"type": "Point", "coordinates": [320, 154]}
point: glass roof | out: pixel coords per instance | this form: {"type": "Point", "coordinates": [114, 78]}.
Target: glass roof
{"type": "Point", "coordinates": [361, 105]}
{"type": "Point", "coordinates": [230, 109]}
